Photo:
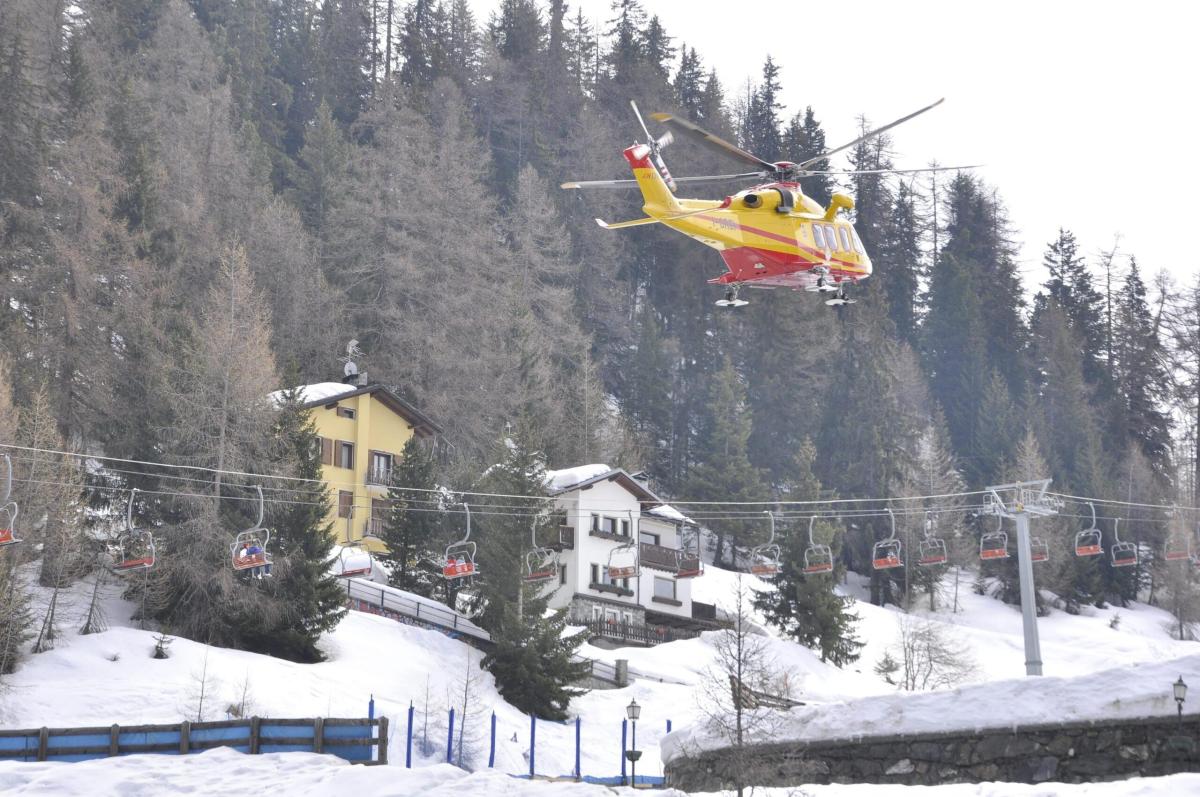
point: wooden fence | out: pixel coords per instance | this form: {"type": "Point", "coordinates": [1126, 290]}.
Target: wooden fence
{"type": "Point", "coordinates": [362, 741]}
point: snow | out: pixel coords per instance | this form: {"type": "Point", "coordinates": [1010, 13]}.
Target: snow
{"type": "Point", "coordinates": [558, 480]}
{"type": "Point", "coordinates": [1093, 670]}
{"type": "Point", "coordinates": [321, 391]}
{"type": "Point", "coordinates": [670, 513]}
{"type": "Point", "coordinates": [223, 772]}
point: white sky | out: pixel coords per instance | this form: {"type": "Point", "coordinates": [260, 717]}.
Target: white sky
{"type": "Point", "coordinates": [1065, 102]}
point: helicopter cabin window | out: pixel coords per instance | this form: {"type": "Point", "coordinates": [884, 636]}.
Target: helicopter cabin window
{"type": "Point", "coordinates": [845, 238]}
{"type": "Point", "coordinates": [858, 247]}
{"type": "Point", "coordinates": [818, 237]}
{"type": "Point", "coordinates": [831, 237]}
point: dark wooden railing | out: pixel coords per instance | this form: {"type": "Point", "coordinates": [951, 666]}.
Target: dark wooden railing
{"type": "Point", "coordinates": [636, 633]}
{"type": "Point", "coordinates": [659, 557]}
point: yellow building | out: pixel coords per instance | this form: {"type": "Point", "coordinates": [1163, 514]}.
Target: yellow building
{"type": "Point", "coordinates": [363, 431]}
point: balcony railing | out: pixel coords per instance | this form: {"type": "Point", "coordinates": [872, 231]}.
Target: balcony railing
{"type": "Point", "coordinates": [635, 633]}
{"type": "Point", "coordinates": [379, 477]}
{"type": "Point", "coordinates": [659, 557]}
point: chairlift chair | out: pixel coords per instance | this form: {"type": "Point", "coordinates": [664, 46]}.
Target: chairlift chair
{"type": "Point", "coordinates": [1178, 546]}
{"type": "Point", "coordinates": [1088, 541]}
{"type": "Point", "coordinates": [994, 544]}
{"type": "Point", "coordinates": [8, 509]}
{"type": "Point", "coordinates": [1124, 554]}
{"type": "Point", "coordinates": [931, 550]}
{"type": "Point", "coordinates": [256, 536]}
{"type": "Point", "coordinates": [134, 547]}
{"type": "Point", "coordinates": [885, 554]}
{"type": "Point", "coordinates": [460, 555]}
{"type": "Point", "coordinates": [765, 558]}
{"type": "Point", "coordinates": [541, 563]}
{"type": "Point", "coordinates": [818, 557]}
{"type": "Point", "coordinates": [690, 564]}
{"type": "Point", "coordinates": [1039, 549]}
{"type": "Point", "coordinates": [355, 560]}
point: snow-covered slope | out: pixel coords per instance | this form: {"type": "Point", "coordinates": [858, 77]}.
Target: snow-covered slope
{"type": "Point", "coordinates": [110, 677]}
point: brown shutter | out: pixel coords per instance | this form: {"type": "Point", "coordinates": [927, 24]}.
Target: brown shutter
{"type": "Point", "coordinates": [326, 451]}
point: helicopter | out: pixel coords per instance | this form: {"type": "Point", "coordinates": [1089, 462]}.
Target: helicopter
{"type": "Point", "coordinates": [770, 235]}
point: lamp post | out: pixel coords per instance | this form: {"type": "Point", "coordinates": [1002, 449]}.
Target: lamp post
{"type": "Point", "coordinates": [633, 711]}
{"type": "Point", "coordinates": [1180, 695]}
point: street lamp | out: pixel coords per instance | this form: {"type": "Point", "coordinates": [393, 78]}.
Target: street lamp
{"type": "Point", "coordinates": [1180, 695]}
{"type": "Point", "coordinates": [633, 711]}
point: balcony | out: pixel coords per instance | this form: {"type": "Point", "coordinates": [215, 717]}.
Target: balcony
{"type": "Point", "coordinates": [634, 633]}
{"type": "Point", "coordinates": [659, 557]}
{"type": "Point", "coordinates": [378, 477]}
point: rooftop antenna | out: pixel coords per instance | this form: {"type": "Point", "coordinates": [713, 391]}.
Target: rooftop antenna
{"type": "Point", "coordinates": [350, 372]}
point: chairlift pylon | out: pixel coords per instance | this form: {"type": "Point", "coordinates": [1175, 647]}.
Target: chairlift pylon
{"type": "Point", "coordinates": [1088, 541]}
{"type": "Point", "coordinates": [931, 550]}
{"type": "Point", "coordinates": [1124, 554]}
{"type": "Point", "coordinates": [460, 555]}
{"type": "Point", "coordinates": [818, 557]}
{"type": "Point", "coordinates": [541, 563]}
{"type": "Point", "coordinates": [624, 561]}
{"type": "Point", "coordinates": [765, 558]}
{"type": "Point", "coordinates": [885, 554]}
{"type": "Point", "coordinates": [248, 551]}
{"type": "Point", "coordinates": [8, 509]}
{"type": "Point", "coordinates": [994, 544]}
{"type": "Point", "coordinates": [135, 547]}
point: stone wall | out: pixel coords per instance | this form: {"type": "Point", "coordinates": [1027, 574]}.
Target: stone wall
{"type": "Point", "coordinates": [1060, 752]}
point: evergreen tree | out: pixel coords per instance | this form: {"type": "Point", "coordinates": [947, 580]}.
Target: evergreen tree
{"type": "Point", "coordinates": [804, 140]}
{"type": "Point", "coordinates": [689, 82]}
{"type": "Point", "coordinates": [723, 470]}
{"type": "Point", "coordinates": [805, 606]}
{"type": "Point", "coordinates": [900, 264]}
{"type": "Point", "coordinates": [761, 133]}
{"type": "Point", "coordinates": [532, 658]}
{"type": "Point", "coordinates": [413, 524]}
{"type": "Point", "coordinates": [303, 538]}
{"type": "Point", "coordinates": [320, 168]}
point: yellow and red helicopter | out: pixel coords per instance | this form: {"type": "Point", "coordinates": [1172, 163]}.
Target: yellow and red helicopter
{"type": "Point", "coordinates": [770, 235]}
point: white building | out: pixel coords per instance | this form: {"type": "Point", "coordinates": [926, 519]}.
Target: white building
{"type": "Point", "coordinates": [611, 519]}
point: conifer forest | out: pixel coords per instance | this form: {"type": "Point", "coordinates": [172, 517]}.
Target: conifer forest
{"type": "Point", "coordinates": [202, 201]}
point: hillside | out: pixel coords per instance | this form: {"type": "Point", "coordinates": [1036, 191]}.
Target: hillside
{"type": "Point", "coordinates": [110, 677]}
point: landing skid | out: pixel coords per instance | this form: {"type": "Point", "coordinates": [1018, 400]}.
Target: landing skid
{"type": "Point", "coordinates": [838, 301]}
{"type": "Point", "coordinates": [731, 299]}
{"type": "Point", "coordinates": [821, 286]}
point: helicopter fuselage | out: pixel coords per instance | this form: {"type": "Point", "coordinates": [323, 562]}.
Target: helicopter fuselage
{"type": "Point", "coordinates": [769, 236]}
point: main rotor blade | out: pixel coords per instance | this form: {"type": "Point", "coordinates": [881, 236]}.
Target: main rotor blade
{"type": "Point", "coordinates": [599, 184]}
{"type": "Point", "coordinates": [897, 171]}
{"type": "Point", "coordinates": [708, 139]}
{"type": "Point", "coordinates": [706, 178]}
{"type": "Point", "coordinates": [871, 134]}
{"type": "Point", "coordinates": [638, 114]}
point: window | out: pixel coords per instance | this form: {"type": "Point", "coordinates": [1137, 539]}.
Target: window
{"type": "Point", "coordinates": [596, 570]}
{"type": "Point", "coordinates": [624, 528]}
{"type": "Point", "coordinates": [845, 238]}
{"type": "Point", "coordinates": [595, 522]}
{"type": "Point", "coordinates": [345, 503]}
{"type": "Point", "coordinates": [607, 525]}
{"type": "Point", "coordinates": [664, 588]}
{"type": "Point", "coordinates": [381, 468]}
{"type": "Point", "coordinates": [562, 574]}
{"type": "Point", "coordinates": [831, 237]}
{"type": "Point", "coordinates": [345, 412]}
{"type": "Point", "coordinates": [818, 237]}
{"type": "Point", "coordinates": [858, 247]}
{"type": "Point", "coordinates": [600, 576]}
{"type": "Point", "coordinates": [345, 454]}
{"type": "Point", "coordinates": [648, 538]}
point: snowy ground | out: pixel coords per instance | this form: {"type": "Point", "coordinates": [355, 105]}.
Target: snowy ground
{"type": "Point", "coordinates": [110, 677]}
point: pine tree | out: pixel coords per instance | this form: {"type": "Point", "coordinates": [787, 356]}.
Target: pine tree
{"type": "Point", "coordinates": [413, 523]}
{"type": "Point", "coordinates": [804, 140]}
{"type": "Point", "coordinates": [805, 606]}
{"type": "Point", "coordinates": [303, 538]}
{"type": "Point", "coordinates": [532, 658]}
{"type": "Point", "coordinates": [761, 133]}
{"type": "Point", "coordinates": [723, 470]}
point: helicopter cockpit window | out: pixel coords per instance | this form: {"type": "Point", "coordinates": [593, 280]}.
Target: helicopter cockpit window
{"type": "Point", "coordinates": [845, 238]}
{"type": "Point", "coordinates": [858, 247]}
{"type": "Point", "coordinates": [817, 237]}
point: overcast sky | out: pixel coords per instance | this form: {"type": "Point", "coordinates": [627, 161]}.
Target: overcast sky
{"type": "Point", "coordinates": [1085, 114]}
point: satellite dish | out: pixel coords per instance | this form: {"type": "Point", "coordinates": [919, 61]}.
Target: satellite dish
{"type": "Point", "coordinates": [351, 369]}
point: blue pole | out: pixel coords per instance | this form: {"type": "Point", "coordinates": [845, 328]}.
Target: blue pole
{"type": "Point", "coordinates": [371, 707]}
{"type": "Point", "coordinates": [492, 753]}
{"type": "Point", "coordinates": [578, 771]}
{"type": "Point", "coordinates": [668, 726]}
{"type": "Point", "coordinates": [450, 740]}
{"type": "Point", "coordinates": [532, 740]}
{"type": "Point", "coordinates": [624, 731]}
{"type": "Point", "coordinates": [408, 741]}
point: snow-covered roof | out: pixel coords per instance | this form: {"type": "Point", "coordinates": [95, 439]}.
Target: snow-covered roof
{"type": "Point", "coordinates": [558, 480]}
{"type": "Point", "coordinates": [670, 513]}
{"type": "Point", "coordinates": [321, 391]}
